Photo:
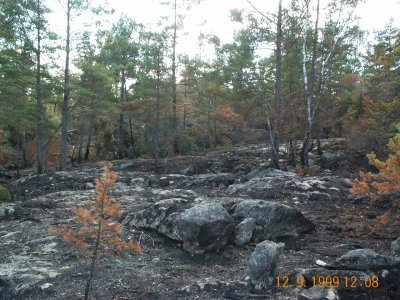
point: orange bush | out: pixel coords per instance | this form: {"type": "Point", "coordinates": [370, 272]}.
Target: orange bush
{"type": "Point", "coordinates": [386, 182]}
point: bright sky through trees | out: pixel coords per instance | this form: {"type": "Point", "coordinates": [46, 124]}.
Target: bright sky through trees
{"type": "Point", "coordinates": [213, 17]}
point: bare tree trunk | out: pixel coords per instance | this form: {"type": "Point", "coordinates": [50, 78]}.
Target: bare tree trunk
{"type": "Point", "coordinates": [278, 90]}
{"type": "Point", "coordinates": [270, 129]}
{"type": "Point", "coordinates": [94, 259]}
{"type": "Point", "coordinates": [80, 142]}
{"type": "Point", "coordinates": [121, 146]}
{"type": "Point", "coordinates": [309, 87]}
{"type": "Point", "coordinates": [39, 105]}
{"type": "Point", "coordinates": [174, 93]}
{"type": "Point", "coordinates": [208, 138]}
{"type": "Point", "coordinates": [292, 153]}
{"type": "Point", "coordinates": [24, 155]}
{"type": "Point", "coordinates": [157, 131]}
{"type": "Point", "coordinates": [65, 112]}
{"type": "Point", "coordinates": [87, 151]}
{"type": "Point", "coordinates": [131, 131]}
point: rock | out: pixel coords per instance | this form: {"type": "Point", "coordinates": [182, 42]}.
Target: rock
{"type": "Point", "coordinates": [88, 186]}
{"type": "Point", "coordinates": [330, 160]}
{"type": "Point", "coordinates": [152, 217]}
{"type": "Point", "coordinates": [316, 293]}
{"type": "Point", "coordinates": [364, 259]}
{"type": "Point", "coordinates": [278, 220]}
{"type": "Point", "coordinates": [278, 185]}
{"type": "Point", "coordinates": [315, 170]}
{"type": "Point", "coordinates": [203, 227]}
{"type": "Point", "coordinates": [395, 247]}
{"type": "Point", "coordinates": [22, 275]}
{"type": "Point", "coordinates": [135, 182]}
{"type": "Point", "coordinates": [244, 231]}
{"type": "Point", "coordinates": [7, 210]}
{"type": "Point", "coordinates": [4, 194]}
{"type": "Point", "coordinates": [263, 263]}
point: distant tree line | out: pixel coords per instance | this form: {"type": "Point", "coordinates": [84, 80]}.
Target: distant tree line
{"type": "Point", "coordinates": [124, 92]}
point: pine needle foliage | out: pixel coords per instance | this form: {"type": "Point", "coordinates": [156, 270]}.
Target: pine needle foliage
{"type": "Point", "coordinates": [96, 233]}
{"type": "Point", "coordinates": [384, 183]}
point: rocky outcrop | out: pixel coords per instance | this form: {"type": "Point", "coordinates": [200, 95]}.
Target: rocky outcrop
{"type": "Point", "coordinates": [279, 185]}
{"type": "Point", "coordinates": [218, 207]}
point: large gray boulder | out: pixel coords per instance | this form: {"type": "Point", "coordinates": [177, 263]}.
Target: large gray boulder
{"type": "Point", "coordinates": [263, 263]}
{"type": "Point", "coordinates": [278, 220]}
{"type": "Point", "coordinates": [364, 259]}
{"type": "Point", "coordinates": [203, 227]}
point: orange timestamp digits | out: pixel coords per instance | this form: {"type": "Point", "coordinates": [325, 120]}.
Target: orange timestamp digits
{"type": "Point", "coordinates": [351, 282]}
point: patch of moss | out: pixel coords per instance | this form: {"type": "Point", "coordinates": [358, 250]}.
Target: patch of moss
{"type": "Point", "coordinates": [4, 194]}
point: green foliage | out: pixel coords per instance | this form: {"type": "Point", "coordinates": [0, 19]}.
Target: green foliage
{"type": "Point", "coordinates": [5, 195]}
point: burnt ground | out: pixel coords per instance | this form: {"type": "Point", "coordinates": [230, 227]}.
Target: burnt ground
{"type": "Point", "coordinates": [164, 270]}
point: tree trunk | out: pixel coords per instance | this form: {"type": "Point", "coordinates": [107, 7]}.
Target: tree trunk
{"type": "Point", "coordinates": [65, 112]}
{"type": "Point", "coordinates": [174, 93]}
{"type": "Point", "coordinates": [292, 153]}
{"type": "Point", "coordinates": [94, 259]}
{"type": "Point", "coordinates": [309, 87]}
{"type": "Point", "coordinates": [24, 155]}
{"type": "Point", "coordinates": [157, 129]}
{"type": "Point", "coordinates": [208, 138]}
{"type": "Point", "coordinates": [131, 131]}
{"type": "Point", "coordinates": [278, 90]}
{"type": "Point", "coordinates": [274, 155]}
{"type": "Point", "coordinates": [87, 151]}
{"type": "Point", "coordinates": [80, 142]}
{"type": "Point", "coordinates": [39, 105]}
{"type": "Point", "coordinates": [121, 146]}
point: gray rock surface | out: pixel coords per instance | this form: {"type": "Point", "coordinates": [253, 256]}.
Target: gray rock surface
{"type": "Point", "coordinates": [332, 159]}
{"type": "Point", "coordinates": [316, 293]}
{"type": "Point", "coordinates": [244, 231]}
{"type": "Point", "coordinates": [263, 263]}
{"type": "Point", "coordinates": [364, 259]}
{"type": "Point", "coordinates": [278, 220]}
{"type": "Point", "coordinates": [205, 227]}
{"type": "Point", "coordinates": [395, 247]}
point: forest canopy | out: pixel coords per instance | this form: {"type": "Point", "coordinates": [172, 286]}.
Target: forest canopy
{"type": "Point", "coordinates": [303, 71]}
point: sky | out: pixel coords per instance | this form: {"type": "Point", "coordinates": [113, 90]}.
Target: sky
{"type": "Point", "coordinates": [212, 16]}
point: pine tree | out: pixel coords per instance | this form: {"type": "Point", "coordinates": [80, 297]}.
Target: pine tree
{"type": "Point", "coordinates": [98, 231]}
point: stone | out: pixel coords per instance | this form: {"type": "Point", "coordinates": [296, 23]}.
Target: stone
{"type": "Point", "coordinates": [316, 293]}
{"type": "Point", "coordinates": [395, 247]}
{"type": "Point", "coordinates": [364, 259]}
{"type": "Point", "coordinates": [152, 216]}
{"type": "Point", "coordinates": [263, 263]}
{"type": "Point", "coordinates": [244, 231]}
{"type": "Point", "coordinates": [203, 227]}
{"type": "Point", "coordinates": [330, 160]}
{"type": "Point", "coordinates": [278, 220]}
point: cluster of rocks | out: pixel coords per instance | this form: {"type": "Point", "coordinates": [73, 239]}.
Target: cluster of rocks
{"type": "Point", "coordinates": [259, 210]}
